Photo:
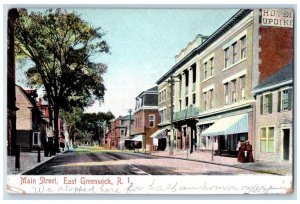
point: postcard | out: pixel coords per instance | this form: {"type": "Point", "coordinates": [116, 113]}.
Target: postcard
{"type": "Point", "coordinates": [150, 101]}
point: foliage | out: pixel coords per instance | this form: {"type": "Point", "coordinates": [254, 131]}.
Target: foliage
{"type": "Point", "coordinates": [61, 46]}
{"type": "Point", "coordinates": [93, 125]}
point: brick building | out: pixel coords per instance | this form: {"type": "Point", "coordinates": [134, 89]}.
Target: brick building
{"type": "Point", "coordinates": [13, 14]}
{"type": "Point", "coordinates": [146, 117]}
{"type": "Point", "coordinates": [213, 103]}
{"type": "Point", "coordinates": [274, 116]}
{"type": "Point", "coordinates": [120, 131]}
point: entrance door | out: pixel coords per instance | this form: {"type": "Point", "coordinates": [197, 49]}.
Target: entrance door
{"type": "Point", "coordinates": [286, 144]}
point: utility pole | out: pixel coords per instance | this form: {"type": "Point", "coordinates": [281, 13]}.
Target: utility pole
{"type": "Point", "coordinates": [171, 119]}
{"type": "Point", "coordinates": [130, 111]}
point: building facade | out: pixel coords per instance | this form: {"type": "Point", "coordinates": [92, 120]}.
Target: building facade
{"type": "Point", "coordinates": [274, 116]}
{"type": "Point", "coordinates": [214, 106]}
{"type": "Point", "coordinates": [30, 125]}
{"type": "Point", "coordinates": [146, 118]}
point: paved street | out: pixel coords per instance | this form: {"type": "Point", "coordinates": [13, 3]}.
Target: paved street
{"type": "Point", "coordinates": [91, 161]}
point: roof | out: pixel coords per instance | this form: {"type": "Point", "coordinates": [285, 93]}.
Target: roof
{"type": "Point", "coordinates": [30, 94]}
{"type": "Point", "coordinates": [283, 75]}
{"type": "Point", "coordinates": [127, 117]}
{"type": "Point", "coordinates": [219, 32]}
{"type": "Point", "coordinates": [151, 90]}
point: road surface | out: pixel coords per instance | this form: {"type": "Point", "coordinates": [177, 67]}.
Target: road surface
{"type": "Point", "coordinates": [89, 161]}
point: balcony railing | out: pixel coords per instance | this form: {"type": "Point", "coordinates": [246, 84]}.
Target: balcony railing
{"type": "Point", "coordinates": [187, 113]}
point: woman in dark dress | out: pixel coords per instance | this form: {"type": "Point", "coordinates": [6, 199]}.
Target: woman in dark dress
{"type": "Point", "coordinates": [241, 154]}
{"type": "Point", "coordinates": [249, 157]}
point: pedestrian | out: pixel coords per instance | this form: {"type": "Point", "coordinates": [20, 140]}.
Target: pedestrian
{"type": "Point", "coordinates": [249, 157]}
{"type": "Point", "coordinates": [241, 154]}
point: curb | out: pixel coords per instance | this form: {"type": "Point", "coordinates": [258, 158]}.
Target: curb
{"type": "Point", "coordinates": [216, 163]}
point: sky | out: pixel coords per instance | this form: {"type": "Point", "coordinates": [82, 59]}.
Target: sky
{"type": "Point", "coordinates": [143, 45]}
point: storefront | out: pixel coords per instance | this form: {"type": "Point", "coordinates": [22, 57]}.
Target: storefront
{"type": "Point", "coordinates": [160, 139]}
{"type": "Point", "coordinates": [226, 132]}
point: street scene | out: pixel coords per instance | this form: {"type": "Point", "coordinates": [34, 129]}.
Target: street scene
{"type": "Point", "coordinates": [150, 92]}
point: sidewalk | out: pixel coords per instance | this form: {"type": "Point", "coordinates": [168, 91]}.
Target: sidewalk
{"type": "Point", "coordinates": [269, 167]}
{"type": "Point", "coordinates": [28, 161]}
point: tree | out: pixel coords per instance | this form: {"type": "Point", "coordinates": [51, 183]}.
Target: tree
{"type": "Point", "coordinates": [93, 124]}
{"type": "Point", "coordinates": [61, 46]}
{"type": "Point", "coordinates": [71, 118]}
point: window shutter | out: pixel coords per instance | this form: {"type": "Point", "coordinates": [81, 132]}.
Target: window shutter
{"type": "Point", "coordinates": [270, 103]}
{"type": "Point", "coordinates": [261, 104]}
{"type": "Point", "coordinates": [279, 101]}
{"type": "Point", "coordinates": [290, 98]}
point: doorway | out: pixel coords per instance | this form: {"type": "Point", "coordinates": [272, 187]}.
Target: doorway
{"type": "Point", "coordinates": [286, 144]}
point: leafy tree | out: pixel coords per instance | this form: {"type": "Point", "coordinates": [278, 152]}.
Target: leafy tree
{"type": "Point", "coordinates": [71, 118]}
{"type": "Point", "coordinates": [93, 125]}
{"type": "Point", "coordinates": [61, 46]}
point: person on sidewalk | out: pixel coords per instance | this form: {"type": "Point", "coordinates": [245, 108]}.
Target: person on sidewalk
{"type": "Point", "coordinates": [241, 154]}
{"type": "Point", "coordinates": [249, 157]}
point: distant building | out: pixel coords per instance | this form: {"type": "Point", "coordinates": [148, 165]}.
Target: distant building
{"type": "Point", "coordinates": [274, 116]}
{"type": "Point", "coordinates": [30, 125]}
{"type": "Point", "coordinates": [146, 117]}
{"type": "Point", "coordinates": [120, 131]}
{"type": "Point", "coordinates": [13, 14]}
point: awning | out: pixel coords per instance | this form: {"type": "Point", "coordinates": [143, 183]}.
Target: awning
{"type": "Point", "coordinates": [159, 134]}
{"type": "Point", "coordinates": [227, 126]}
{"type": "Point", "coordinates": [138, 138]}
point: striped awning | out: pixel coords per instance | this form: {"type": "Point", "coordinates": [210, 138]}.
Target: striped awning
{"type": "Point", "coordinates": [227, 126]}
{"type": "Point", "coordinates": [159, 134]}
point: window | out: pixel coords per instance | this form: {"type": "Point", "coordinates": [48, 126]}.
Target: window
{"type": "Point", "coordinates": [122, 132]}
{"type": "Point", "coordinates": [161, 117]}
{"type": "Point", "coordinates": [36, 138]}
{"type": "Point", "coordinates": [285, 100]}
{"type": "Point", "coordinates": [211, 92]}
{"type": "Point", "coordinates": [243, 84]}
{"type": "Point", "coordinates": [194, 73]}
{"type": "Point", "coordinates": [267, 139]}
{"type": "Point", "coordinates": [205, 100]}
{"type": "Point", "coordinates": [233, 91]}
{"type": "Point", "coordinates": [186, 101]}
{"type": "Point", "coordinates": [205, 70]}
{"type": "Point", "coordinates": [151, 120]}
{"type": "Point", "coordinates": [212, 72]}
{"type": "Point", "coordinates": [226, 53]}
{"type": "Point", "coordinates": [243, 47]}
{"type": "Point", "coordinates": [179, 105]}
{"type": "Point", "coordinates": [234, 47]}
{"type": "Point", "coordinates": [266, 104]}
{"type": "Point", "coordinates": [226, 93]}
{"type": "Point", "coordinates": [194, 98]}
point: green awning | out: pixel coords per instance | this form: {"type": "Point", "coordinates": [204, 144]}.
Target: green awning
{"type": "Point", "coordinates": [228, 126]}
